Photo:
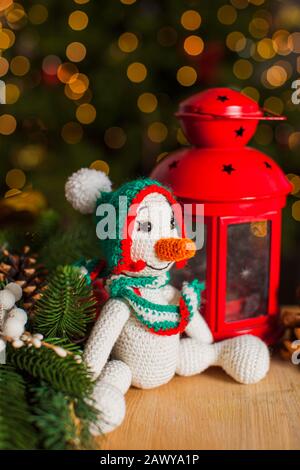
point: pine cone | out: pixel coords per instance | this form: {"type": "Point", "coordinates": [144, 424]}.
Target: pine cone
{"type": "Point", "coordinates": [23, 269]}
{"type": "Point", "coordinates": [290, 319]}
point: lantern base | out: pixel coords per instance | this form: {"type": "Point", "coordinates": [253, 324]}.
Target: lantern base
{"type": "Point", "coordinates": [270, 334]}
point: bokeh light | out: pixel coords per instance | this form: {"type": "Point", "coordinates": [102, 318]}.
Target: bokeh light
{"type": "Point", "coordinates": [240, 4]}
{"type": "Point", "coordinates": [294, 141]}
{"type": "Point", "coordinates": [38, 14]}
{"type": "Point", "coordinates": [294, 42]}
{"type": "Point", "coordinates": [5, 4]}
{"type": "Point", "coordinates": [227, 14]}
{"type": "Point", "coordinates": [193, 45]}
{"type": "Point", "coordinates": [86, 113]}
{"type": "Point", "coordinates": [128, 42]}
{"type": "Point", "coordinates": [136, 72]}
{"type": "Point", "coordinates": [265, 48]}
{"type": "Point", "coordinates": [78, 20]}
{"type": "Point", "coordinates": [30, 156]}
{"type": "Point", "coordinates": [258, 27]}
{"type": "Point", "coordinates": [12, 93]}
{"type": "Point", "coordinates": [235, 41]}
{"type": "Point", "coordinates": [181, 138]}
{"type": "Point", "coordinates": [79, 83]}
{"type": "Point", "coordinates": [15, 178]}
{"type": "Point", "coordinates": [16, 16]}
{"type": "Point", "coordinates": [186, 75]}
{"type": "Point", "coordinates": [50, 64]}
{"type": "Point", "coordinates": [127, 2]}
{"type": "Point", "coordinates": [157, 132]}
{"type": "Point", "coordinates": [243, 69]}
{"type": "Point", "coordinates": [191, 20]}
{"type": "Point", "coordinates": [147, 102]}
{"type": "Point", "coordinates": [115, 137]}
{"type": "Point", "coordinates": [296, 210]}
{"type": "Point", "coordinates": [81, 2]}
{"type": "Point", "coordinates": [72, 133]}
{"type": "Point", "coordinates": [8, 124]}
{"type": "Point", "coordinates": [276, 75]}
{"type": "Point", "coordinates": [19, 65]}
{"type": "Point", "coordinates": [66, 71]}
{"type": "Point", "coordinates": [4, 66]}
{"type": "Point", "coordinates": [7, 38]}
{"type": "Point", "coordinates": [76, 51]}
{"type": "Point", "coordinates": [274, 104]}
{"type": "Point", "coordinates": [251, 92]}
{"type": "Point", "coordinates": [281, 42]}
{"type": "Point", "coordinates": [295, 181]}
{"type": "Point", "coordinates": [161, 156]}
{"type": "Point", "coordinates": [100, 165]}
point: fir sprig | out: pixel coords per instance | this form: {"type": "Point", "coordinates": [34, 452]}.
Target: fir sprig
{"type": "Point", "coordinates": [16, 431]}
{"type": "Point", "coordinates": [64, 374]}
{"type": "Point", "coordinates": [66, 307]}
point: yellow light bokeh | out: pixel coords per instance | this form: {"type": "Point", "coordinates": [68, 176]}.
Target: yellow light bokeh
{"type": "Point", "coordinates": [274, 104]}
{"type": "Point", "coordinates": [257, 2]}
{"type": "Point", "coordinates": [236, 41]}
{"type": "Point", "coordinates": [128, 42]}
{"type": "Point", "coordinates": [38, 14]}
{"type": "Point", "coordinates": [15, 179]}
{"type": "Point", "coordinates": [66, 71]}
{"type": "Point", "coordinates": [7, 38]}
{"type": "Point", "coordinates": [281, 42]}
{"type": "Point", "coordinates": [86, 113]}
{"type": "Point", "coordinates": [157, 132]}
{"type": "Point", "coordinates": [71, 95]}
{"type": "Point", "coordinates": [12, 93]}
{"type": "Point", "coordinates": [5, 4]}
{"type": "Point", "coordinates": [19, 65]}
{"type": "Point", "coordinates": [76, 51]}
{"type": "Point", "coordinates": [15, 15]}
{"type": "Point", "coordinates": [147, 102]}
{"type": "Point", "coordinates": [186, 75]}
{"type": "Point", "coordinates": [240, 4]}
{"type": "Point", "coordinates": [295, 180]}
{"type": "Point", "coordinates": [30, 156]}
{"type": "Point", "coordinates": [81, 2]}
{"type": "Point", "coordinates": [243, 69]}
{"type": "Point", "coordinates": [128, 2]}
{"type": "Point", "coordinates": [100, 165]}
{"type": "Point", "coordinates": [227, 14]}
{"type": "Point", "coordinates": [78, 20]}
{"type": "Point", "coordinates": [161, 156]}
{"type": "Point", "coordinates": [115, 137]}
{"type": "Point", "coordinates": [193, 45]}
{"type": "Point", "coordinates": [296, 210]}
{"type": "Point", "coordinates": [294, 141]}
{"type": "Point", "coordinates": [258, 27]}
{"type": "Point", "coordinates": [136, 72]}
{"type": "Point", "coordinates": [191, 20]}
{"type": "Point", "coordinates": [167, 36]}
{"type": "Point", "coordinates": [79, 83]}
{"type": "Point", "coordinates": [4, 66]}
{"type": "Point", "coordinates": [72, 133]}
{"type": "Point", "coordinates": [264, 134]}
{"type": "Point", "coordinates": [276, 75]}
{"type": "Point", "coordinates": [181, 138]}
{"type": "Point", "coordinates": [251, 92]}
{"type": "Point", "coordinates": [8, 124]}
{"type": "Point", "coordinates": [294, 42]}
{"type": "Point", "coordinates": [265, 48]}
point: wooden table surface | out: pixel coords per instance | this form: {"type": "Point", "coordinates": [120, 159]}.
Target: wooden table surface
{"type": "Point", "coordinates": [211, 411]}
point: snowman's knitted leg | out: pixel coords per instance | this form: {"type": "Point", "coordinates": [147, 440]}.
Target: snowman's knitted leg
{"type": "Point", "coordinates": [108, 396]}
{"type": "Point", "coordinates": [194, 357]}
{"type": "Point", "coordinates": [245, 358]}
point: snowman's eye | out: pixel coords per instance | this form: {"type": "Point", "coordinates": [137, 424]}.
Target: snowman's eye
{"type": "Point", "coordinates": [172, 223]}
{"type": "Point", "coordinates": [144, 227]}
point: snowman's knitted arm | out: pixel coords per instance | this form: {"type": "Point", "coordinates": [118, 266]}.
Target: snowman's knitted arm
{"type": "Point", "coordinates": [171, 294]}
{"type": "Point", "coordinates": [199, 330]}
{"type": "Point", "coordinates": [105, 333]}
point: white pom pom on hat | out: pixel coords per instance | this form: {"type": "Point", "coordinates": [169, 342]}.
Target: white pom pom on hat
{"type": "Point", "coordinates": [84, 187]}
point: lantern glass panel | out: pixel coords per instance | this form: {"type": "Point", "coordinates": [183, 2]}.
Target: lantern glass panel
{"type": "Point", "coordinates": [196, 266]}
{"type": "Point", "coordinates": [248, 270]}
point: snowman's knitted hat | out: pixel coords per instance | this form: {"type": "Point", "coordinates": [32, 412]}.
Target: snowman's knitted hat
{"type": "Point", "coordinates": [89, 189]}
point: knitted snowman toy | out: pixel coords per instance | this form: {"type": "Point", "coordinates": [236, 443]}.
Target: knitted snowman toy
{"type": "Point", "coordinates": [137, 338]}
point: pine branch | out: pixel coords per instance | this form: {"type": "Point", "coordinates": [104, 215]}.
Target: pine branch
{"type": "Point", "coordinates": [66, 307]}
{"type": "Point", "coordinates": [64, 374]}
{"type": "Point", "coordinates": [16, 431]}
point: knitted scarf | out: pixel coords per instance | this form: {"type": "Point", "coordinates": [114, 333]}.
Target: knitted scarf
{"type": "Point", "coordinates": [159, 319]}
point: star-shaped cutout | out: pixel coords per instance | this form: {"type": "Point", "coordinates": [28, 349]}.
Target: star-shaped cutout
{"type": "Point", "coordinates": [268, 165]}
{"type": "Point", "coordinates": [228, 169]}
{"type": "Point", "coordinates": [222, 98]}
{"type": "Point", "coordinates": [173, 165]}
{"type": "Point", "coordinates": [240, 132]}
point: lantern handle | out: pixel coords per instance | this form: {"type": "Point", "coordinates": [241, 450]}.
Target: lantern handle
{"type": "Point", "coordinates": [267, 116]}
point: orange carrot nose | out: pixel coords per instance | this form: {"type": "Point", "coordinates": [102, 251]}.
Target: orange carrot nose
{"type": "Point", "coordinates": [175, 249]}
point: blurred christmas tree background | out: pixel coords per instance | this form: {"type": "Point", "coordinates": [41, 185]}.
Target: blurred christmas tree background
{"type": "Point", "coordinates": [97, 83]}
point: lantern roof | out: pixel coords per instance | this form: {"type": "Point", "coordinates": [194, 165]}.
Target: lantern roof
{"type": "Point", "coordinates": [222, 175]}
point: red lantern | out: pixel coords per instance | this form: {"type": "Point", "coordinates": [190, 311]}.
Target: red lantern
{"type": "Point", "coordinates": [243, 192]}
